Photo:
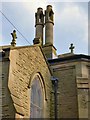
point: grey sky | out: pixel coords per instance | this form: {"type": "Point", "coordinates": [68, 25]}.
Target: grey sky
{"type": "Point", "coordinates": [71, 23]}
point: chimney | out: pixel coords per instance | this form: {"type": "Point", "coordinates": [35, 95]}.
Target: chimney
{"type": "Point", "coordinates": [39, 24]}
{"type": "Point", "coordinates": [49, 22]}
{"type": "Point", "coordinates": [49, 49]}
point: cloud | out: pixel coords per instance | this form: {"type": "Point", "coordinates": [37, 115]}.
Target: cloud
{"type": "Point", "coordinates": [72, 24]}
{"type": "Point", "coordinates": [0, 27]}
{"type": "Point", "coordinates": [22, 15]}
{"type": "Point", "coordinates": [73, 16]}
{"type": "Point", "coordinates": [45, 0]}
{"type": "Point", "coordinates": [32, 6]}
{"type": "Point", "coordinates": [0, 38]}
{"type": "Point", "coordinates": [71, 21]}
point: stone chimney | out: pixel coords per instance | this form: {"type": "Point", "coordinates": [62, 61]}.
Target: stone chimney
{"type": "Point", "coordinates": [49, 22]}
{"type": "Point", "coordinates": [39, 24]}
{"type": "Point", "coordinates": [48, 48]}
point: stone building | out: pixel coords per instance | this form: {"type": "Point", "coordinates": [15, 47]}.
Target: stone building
{"type": "Point", "coordinates": [28, 75]}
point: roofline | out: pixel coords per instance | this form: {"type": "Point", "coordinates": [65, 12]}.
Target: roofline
{"type": "Point", "coordinates": [70, 58]}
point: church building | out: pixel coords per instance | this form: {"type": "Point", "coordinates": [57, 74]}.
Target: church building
{"type": "Point", "coordinates": [35, 82]}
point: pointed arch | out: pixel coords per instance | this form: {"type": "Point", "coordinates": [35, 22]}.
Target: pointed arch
{"type": "Point", "coordinates": [37, 95]}
{"type": "Point", "coordinates": [42, 81]}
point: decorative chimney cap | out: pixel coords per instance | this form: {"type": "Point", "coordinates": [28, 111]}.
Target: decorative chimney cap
{"type": "Point", "coordinates": [39, 9]}
{"type": "Point", "coordinates": [49, 7]}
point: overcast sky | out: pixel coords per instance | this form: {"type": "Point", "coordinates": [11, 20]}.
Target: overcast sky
{"type": "Point", "coordinates": [70, 22]}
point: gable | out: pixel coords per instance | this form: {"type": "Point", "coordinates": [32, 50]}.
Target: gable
{"type": "Point", "coordinates": [25, 62]}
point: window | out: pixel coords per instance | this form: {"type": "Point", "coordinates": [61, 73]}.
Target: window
{"type": "Point", "coordinates": [36, 98]}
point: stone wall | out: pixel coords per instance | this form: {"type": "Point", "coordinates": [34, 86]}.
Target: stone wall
{"type": "Point", "coordinates": [82, 78]}
{"type": "Point", "coordinates": [1, 88]}
{"type": "Point", "coordinates": [18, 67]}
{"type": "Point", "coordinates": [67, 92]}
{"type": "Point", "coordinates": [89, 95]}
{"type": "Point", "coordinates": [24, 63]}
{"type": "Point", "coordinates": [73, 88]}
{"type": "Point", "coordinates": [6, 105]}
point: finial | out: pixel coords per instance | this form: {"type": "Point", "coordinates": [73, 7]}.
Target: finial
{"type": "Point", "coordinates": [71, 47]}
{"type": "Point", "coordinates": [14, 37]}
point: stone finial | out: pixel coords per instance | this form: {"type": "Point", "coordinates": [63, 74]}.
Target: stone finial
{"type": "Point", "coordinates": [71, 47]}
{"type": "Point", "coordinates": [14, 37]}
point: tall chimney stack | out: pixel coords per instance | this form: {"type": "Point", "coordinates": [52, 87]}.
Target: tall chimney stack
{"type": "Point", "coordinates": [39, 24]}
{"type": "Point", "coordinates": [48, 48]}
{"type": "Point", "coordinates": [49, 22]}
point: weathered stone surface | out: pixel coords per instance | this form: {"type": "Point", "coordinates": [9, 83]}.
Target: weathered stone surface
{"type": "Point", "coordinates": [18, 68]}
{"type": "Point", "coordinates": [67, 102]}
{"type": "Point", "coordinates": [8, 110]}
{"type": "Point", "coordinates": [73, 78]}
{"type": "Point", "coordinates": [24, 63]}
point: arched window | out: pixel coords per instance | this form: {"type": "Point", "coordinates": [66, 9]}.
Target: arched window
{"type": "Point", "coordinates": [36, 98]}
